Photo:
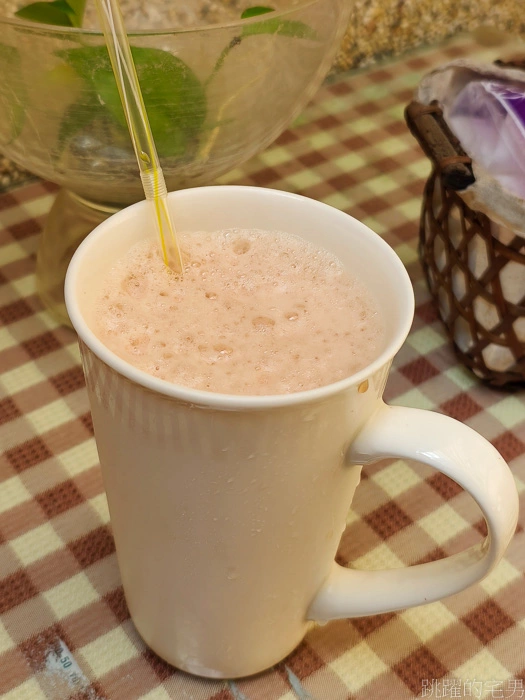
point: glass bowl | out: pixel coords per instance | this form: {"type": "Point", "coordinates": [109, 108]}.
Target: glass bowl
{"type": "Point", "coordinates": [216, 94]}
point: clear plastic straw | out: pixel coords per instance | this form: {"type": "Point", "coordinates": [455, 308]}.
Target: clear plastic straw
{"type": "Point", "coordinates": [136, 116]}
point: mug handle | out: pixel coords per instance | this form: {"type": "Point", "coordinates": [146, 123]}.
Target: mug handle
{"type": "Point", "coordinates": [462, 454]}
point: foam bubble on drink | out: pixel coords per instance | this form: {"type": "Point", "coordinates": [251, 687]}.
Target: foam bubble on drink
{"type": "Point", "coordinates": [256, 312]}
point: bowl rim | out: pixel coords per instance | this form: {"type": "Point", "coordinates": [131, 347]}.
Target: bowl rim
{"type": "Point", "coordinates": [79, 31]}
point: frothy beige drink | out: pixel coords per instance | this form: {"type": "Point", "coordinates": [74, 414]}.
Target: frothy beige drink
{"type": "Point", "coordinates": [257, 312]}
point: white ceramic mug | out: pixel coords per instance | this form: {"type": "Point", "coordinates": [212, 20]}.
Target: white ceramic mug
{"type": "Point", "coordinates": [227, 510]}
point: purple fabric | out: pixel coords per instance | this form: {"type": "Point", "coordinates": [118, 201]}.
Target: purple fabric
{"type": "Point", "coordinates": [512, 98]}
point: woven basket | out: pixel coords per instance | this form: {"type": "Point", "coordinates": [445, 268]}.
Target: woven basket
{"type": "Point", "coordinates": [466, 263]}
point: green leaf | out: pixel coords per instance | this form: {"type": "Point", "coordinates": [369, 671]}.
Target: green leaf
{"type": "Point", "coordinates": [62, 13]}
{"type": "Point", "coordinates": [255, 11]}
{"type": "Point", "coordinates": [77, 9]}
{"type": "Point", "coordinates": [62, 5]}
{"type": "Point", "coordinates": [282, 27]}
{"type": "Point", "coordinates": [13, 95]}
{"type": "Point", "coordinates": [291, 28]}
{"type": "Point", "coordinates": [174, 97]}
{"type": "Point", "coordinates": [46, 13]}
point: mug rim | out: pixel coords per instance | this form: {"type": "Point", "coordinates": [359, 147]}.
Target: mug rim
{"type": "Point", "coordinates": [200, 397]}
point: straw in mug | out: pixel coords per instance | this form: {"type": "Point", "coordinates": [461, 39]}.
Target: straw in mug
{"type": "Point", "coordinates": [139, 128]}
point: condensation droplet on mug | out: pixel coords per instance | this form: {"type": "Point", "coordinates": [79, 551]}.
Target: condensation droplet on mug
{"type": "Point", "coordinates": [363, 387]}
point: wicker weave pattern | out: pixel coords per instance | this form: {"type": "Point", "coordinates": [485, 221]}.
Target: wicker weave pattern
{"type": "Point", "coordinates": [465, 266]}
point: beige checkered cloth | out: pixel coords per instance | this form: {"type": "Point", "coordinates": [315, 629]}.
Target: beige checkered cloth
{"type": "Point", "coordinates": [65, 631]}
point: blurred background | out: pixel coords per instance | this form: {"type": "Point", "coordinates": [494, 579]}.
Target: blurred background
{"type": "Point", "coordinates": [379, 29]}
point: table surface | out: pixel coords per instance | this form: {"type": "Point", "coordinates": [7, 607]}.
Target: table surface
{"type": "Point", "coordinates": [65, 631]}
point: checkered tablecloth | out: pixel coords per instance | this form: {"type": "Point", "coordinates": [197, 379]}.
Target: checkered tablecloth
{"type": "Point", "coordinates": [65, 631]}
